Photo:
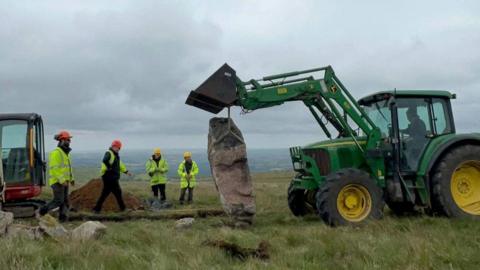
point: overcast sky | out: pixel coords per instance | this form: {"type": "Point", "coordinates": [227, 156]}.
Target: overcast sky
{"type": "Point", "coordinates": [123, 69]}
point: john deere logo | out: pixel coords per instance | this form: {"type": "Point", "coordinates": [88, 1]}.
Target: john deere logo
{"type": "Point", "coordinates": [282, 91]}
{"type": "Point", "coordinates": [333, 89]}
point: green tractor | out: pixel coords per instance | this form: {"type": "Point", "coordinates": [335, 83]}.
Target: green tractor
{"type": "Point", "coordinates": [395, 147]}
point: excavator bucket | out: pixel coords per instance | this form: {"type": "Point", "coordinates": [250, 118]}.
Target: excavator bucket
{"type": "Point", "coordinates": [217, 92]}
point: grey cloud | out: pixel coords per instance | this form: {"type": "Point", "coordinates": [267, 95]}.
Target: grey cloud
{"type": "Point", "coordinates": [124, 68]}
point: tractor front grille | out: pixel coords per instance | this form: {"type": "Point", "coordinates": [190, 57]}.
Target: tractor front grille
{"type": "Point", "coordinates": [321, 158]}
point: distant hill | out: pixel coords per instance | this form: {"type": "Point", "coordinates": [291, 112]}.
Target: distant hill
{"type": "Point", "coordinates": [259, 160]}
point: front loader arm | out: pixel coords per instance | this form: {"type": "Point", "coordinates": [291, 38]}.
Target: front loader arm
{"type": "Point", "coordinates": [326, 95]}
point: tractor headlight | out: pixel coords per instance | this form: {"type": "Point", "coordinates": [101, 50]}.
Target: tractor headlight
{"type": "Point", "coordinates": [297, 165]}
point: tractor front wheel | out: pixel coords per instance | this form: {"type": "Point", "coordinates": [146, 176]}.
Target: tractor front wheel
{"type": "Point", "coordinates": [296, 201]}
{"type": "Point", "coordinates": [349, 197]}
{"type": "Point", "coordinates": [456, 183]}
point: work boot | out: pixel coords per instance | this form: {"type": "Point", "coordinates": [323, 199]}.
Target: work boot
{"type": "Point", "coordinates": [63, 218]}
{"type": "Point", "coordinates": [156, 204]}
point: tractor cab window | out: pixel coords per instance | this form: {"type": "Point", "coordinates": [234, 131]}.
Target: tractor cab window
{"type": "Point", "coordinates": [13, 142]}
{"type": "Point", "coordinates": [380, 114]}
{"type": "Point", "coordinates": [413, 117]}
{"type": "Point", "coordinates": [441, 117]}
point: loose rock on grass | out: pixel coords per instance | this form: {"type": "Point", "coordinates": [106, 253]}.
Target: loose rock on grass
{"type": "Point", "coordinates": [241, 253]}
{"type": "Point", "coordinates": [184, 223]}
{"type": "Point", "coordinates": [6, 218]}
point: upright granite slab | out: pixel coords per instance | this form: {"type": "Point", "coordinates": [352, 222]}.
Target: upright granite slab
{"type": "Point", "coordinates": [227, 155]}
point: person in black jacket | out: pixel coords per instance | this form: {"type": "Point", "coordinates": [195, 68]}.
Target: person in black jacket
{"type": "Point", "coordinates": [112, 166]}
{"type": "Point", "coordinates": [414, 144]}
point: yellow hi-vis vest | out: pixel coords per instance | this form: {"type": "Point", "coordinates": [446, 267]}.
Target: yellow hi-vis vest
{"type": "Point", "coordinates": [182, 172]}
{"type": "Point", "coordinates": [159, 171]}
{"type": "Point", "coordinates": [103, 168]}
{"type": "Point", "coordinates": [60, 167]}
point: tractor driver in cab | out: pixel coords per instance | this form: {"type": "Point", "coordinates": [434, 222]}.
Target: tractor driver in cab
{"type": "Point", "coordinates": [417, 132]}
{"type": "Point", "coordinates": [417, 127]}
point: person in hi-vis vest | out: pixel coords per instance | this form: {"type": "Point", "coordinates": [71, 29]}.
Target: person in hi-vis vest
{"type": "Point", "coordinates": [157, 168]}
{"type": "Point", "coordinates": [187, 170]}
{"type": "Point", "coordinates": [61, 176]}
{"type": "Point", "coordinates": [111, 168]}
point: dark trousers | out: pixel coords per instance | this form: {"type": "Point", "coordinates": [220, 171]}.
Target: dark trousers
{"type": "Point", "coordinates": [159, 187]}
{"type": "Point", "coordinates": [110, 186]}
{"type": "Point", "coordinates": [60, 199]}
{"type": "Point", "coordinates": [190, 194]}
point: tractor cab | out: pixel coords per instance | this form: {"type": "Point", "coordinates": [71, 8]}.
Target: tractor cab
{"type": "Point", "coordinates": [22, 156]}
{"type": "Point", "coordinates": [413, 118]}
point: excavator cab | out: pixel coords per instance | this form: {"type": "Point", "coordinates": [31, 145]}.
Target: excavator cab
{"type": "Point", "coordinates": [22, 158]}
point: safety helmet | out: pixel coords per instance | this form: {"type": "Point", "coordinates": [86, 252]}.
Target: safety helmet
{"type": "Point", "coordinates": [62, 135]}
{"type": "Point", "coordinates": [117, 144]}
{"type": "Point", "coordinates": [187, 154]}
{"type": "Point", "coordinates": [157, 151]}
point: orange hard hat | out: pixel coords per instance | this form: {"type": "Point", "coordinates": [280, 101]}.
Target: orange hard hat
{"type": "Point", "coordinates": [63, 135]}
{"type": "Point", "coordinates": [117, 143]}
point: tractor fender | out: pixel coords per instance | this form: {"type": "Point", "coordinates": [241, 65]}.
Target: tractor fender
{"type": "Point", "coordinates": [439, 146]}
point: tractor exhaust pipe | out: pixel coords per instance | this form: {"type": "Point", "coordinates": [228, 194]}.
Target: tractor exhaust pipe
{"type": "Point", "coordinates": [217, 92]}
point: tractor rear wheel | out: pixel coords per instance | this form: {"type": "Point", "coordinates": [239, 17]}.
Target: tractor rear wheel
{"type": "Point", "coordinates": [296, 201]}
{"type": "Point", "coordinates": [349, 197]}
{"type": "Point", "coordinates": [456, 183]}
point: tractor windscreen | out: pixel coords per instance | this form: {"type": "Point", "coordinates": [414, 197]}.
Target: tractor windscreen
{"type": "Point", "coordinates": [217, 92]}
{"type": "Point", "coordinates": [380, 114]}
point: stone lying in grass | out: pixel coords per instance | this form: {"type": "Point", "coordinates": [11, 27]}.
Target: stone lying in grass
{"type": "Point", "coordinates": [184, 223]}
{"type": "Point", "coordinates": [48, 226]}
{"type": "Point", "coordinates": [236, 251]}
{"type": "Point", "coordinates": [29, 232]}
{"type": "Point", "coordinates": [89, 230]}
{"type": "Point", "coordinates": [6, 218]}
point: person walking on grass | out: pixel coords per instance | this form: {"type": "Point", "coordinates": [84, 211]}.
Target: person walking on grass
{"type": "Point", "coordinates": [111, 168]}
{"type": "Point", "coordinates": [187, 170]}
{"type": "Point", "coordinates": [157, 168]}
{"type": "Point", "coordinates": [61, 177]}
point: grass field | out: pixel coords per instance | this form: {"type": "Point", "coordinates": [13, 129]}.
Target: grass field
{"type": "Point", "coordinates": [418, 242]}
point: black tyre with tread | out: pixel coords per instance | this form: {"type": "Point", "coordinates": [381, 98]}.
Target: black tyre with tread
{"type": "Point", "coordinates": [296, 201]}
{"type": "Point", "coordinates": [442, 199]}
{"type": "Point", "coordinates": [327, 196]}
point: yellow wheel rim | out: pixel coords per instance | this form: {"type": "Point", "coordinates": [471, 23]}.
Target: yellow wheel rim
{"type": "Point", "coordinates": [354, 202]}
{"type": "Point", "coordinates": [465, 187]}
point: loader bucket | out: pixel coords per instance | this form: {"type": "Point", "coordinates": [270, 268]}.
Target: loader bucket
{"type": "Point", "coordinates": [217, 92]}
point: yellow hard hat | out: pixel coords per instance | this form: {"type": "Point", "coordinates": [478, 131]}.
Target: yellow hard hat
{"type": "Point", "coordinates": [157, 151]}
{"type": "Point", "coordinates": [187, 154]}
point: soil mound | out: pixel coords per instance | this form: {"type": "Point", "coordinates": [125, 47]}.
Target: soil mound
{"type": "Point", "coordinates": [85, 198]}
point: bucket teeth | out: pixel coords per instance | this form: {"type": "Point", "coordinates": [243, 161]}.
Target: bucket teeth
{"type": "Point", "coordinates": [217, 92]}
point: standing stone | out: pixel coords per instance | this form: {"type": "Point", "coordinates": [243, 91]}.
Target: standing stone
{"type": "Point", "coordinates": [89, 230]}
{"type": "Point", "coordinates": [6, 218]}
{"type": "Point", "coordinates": [227, 155]}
